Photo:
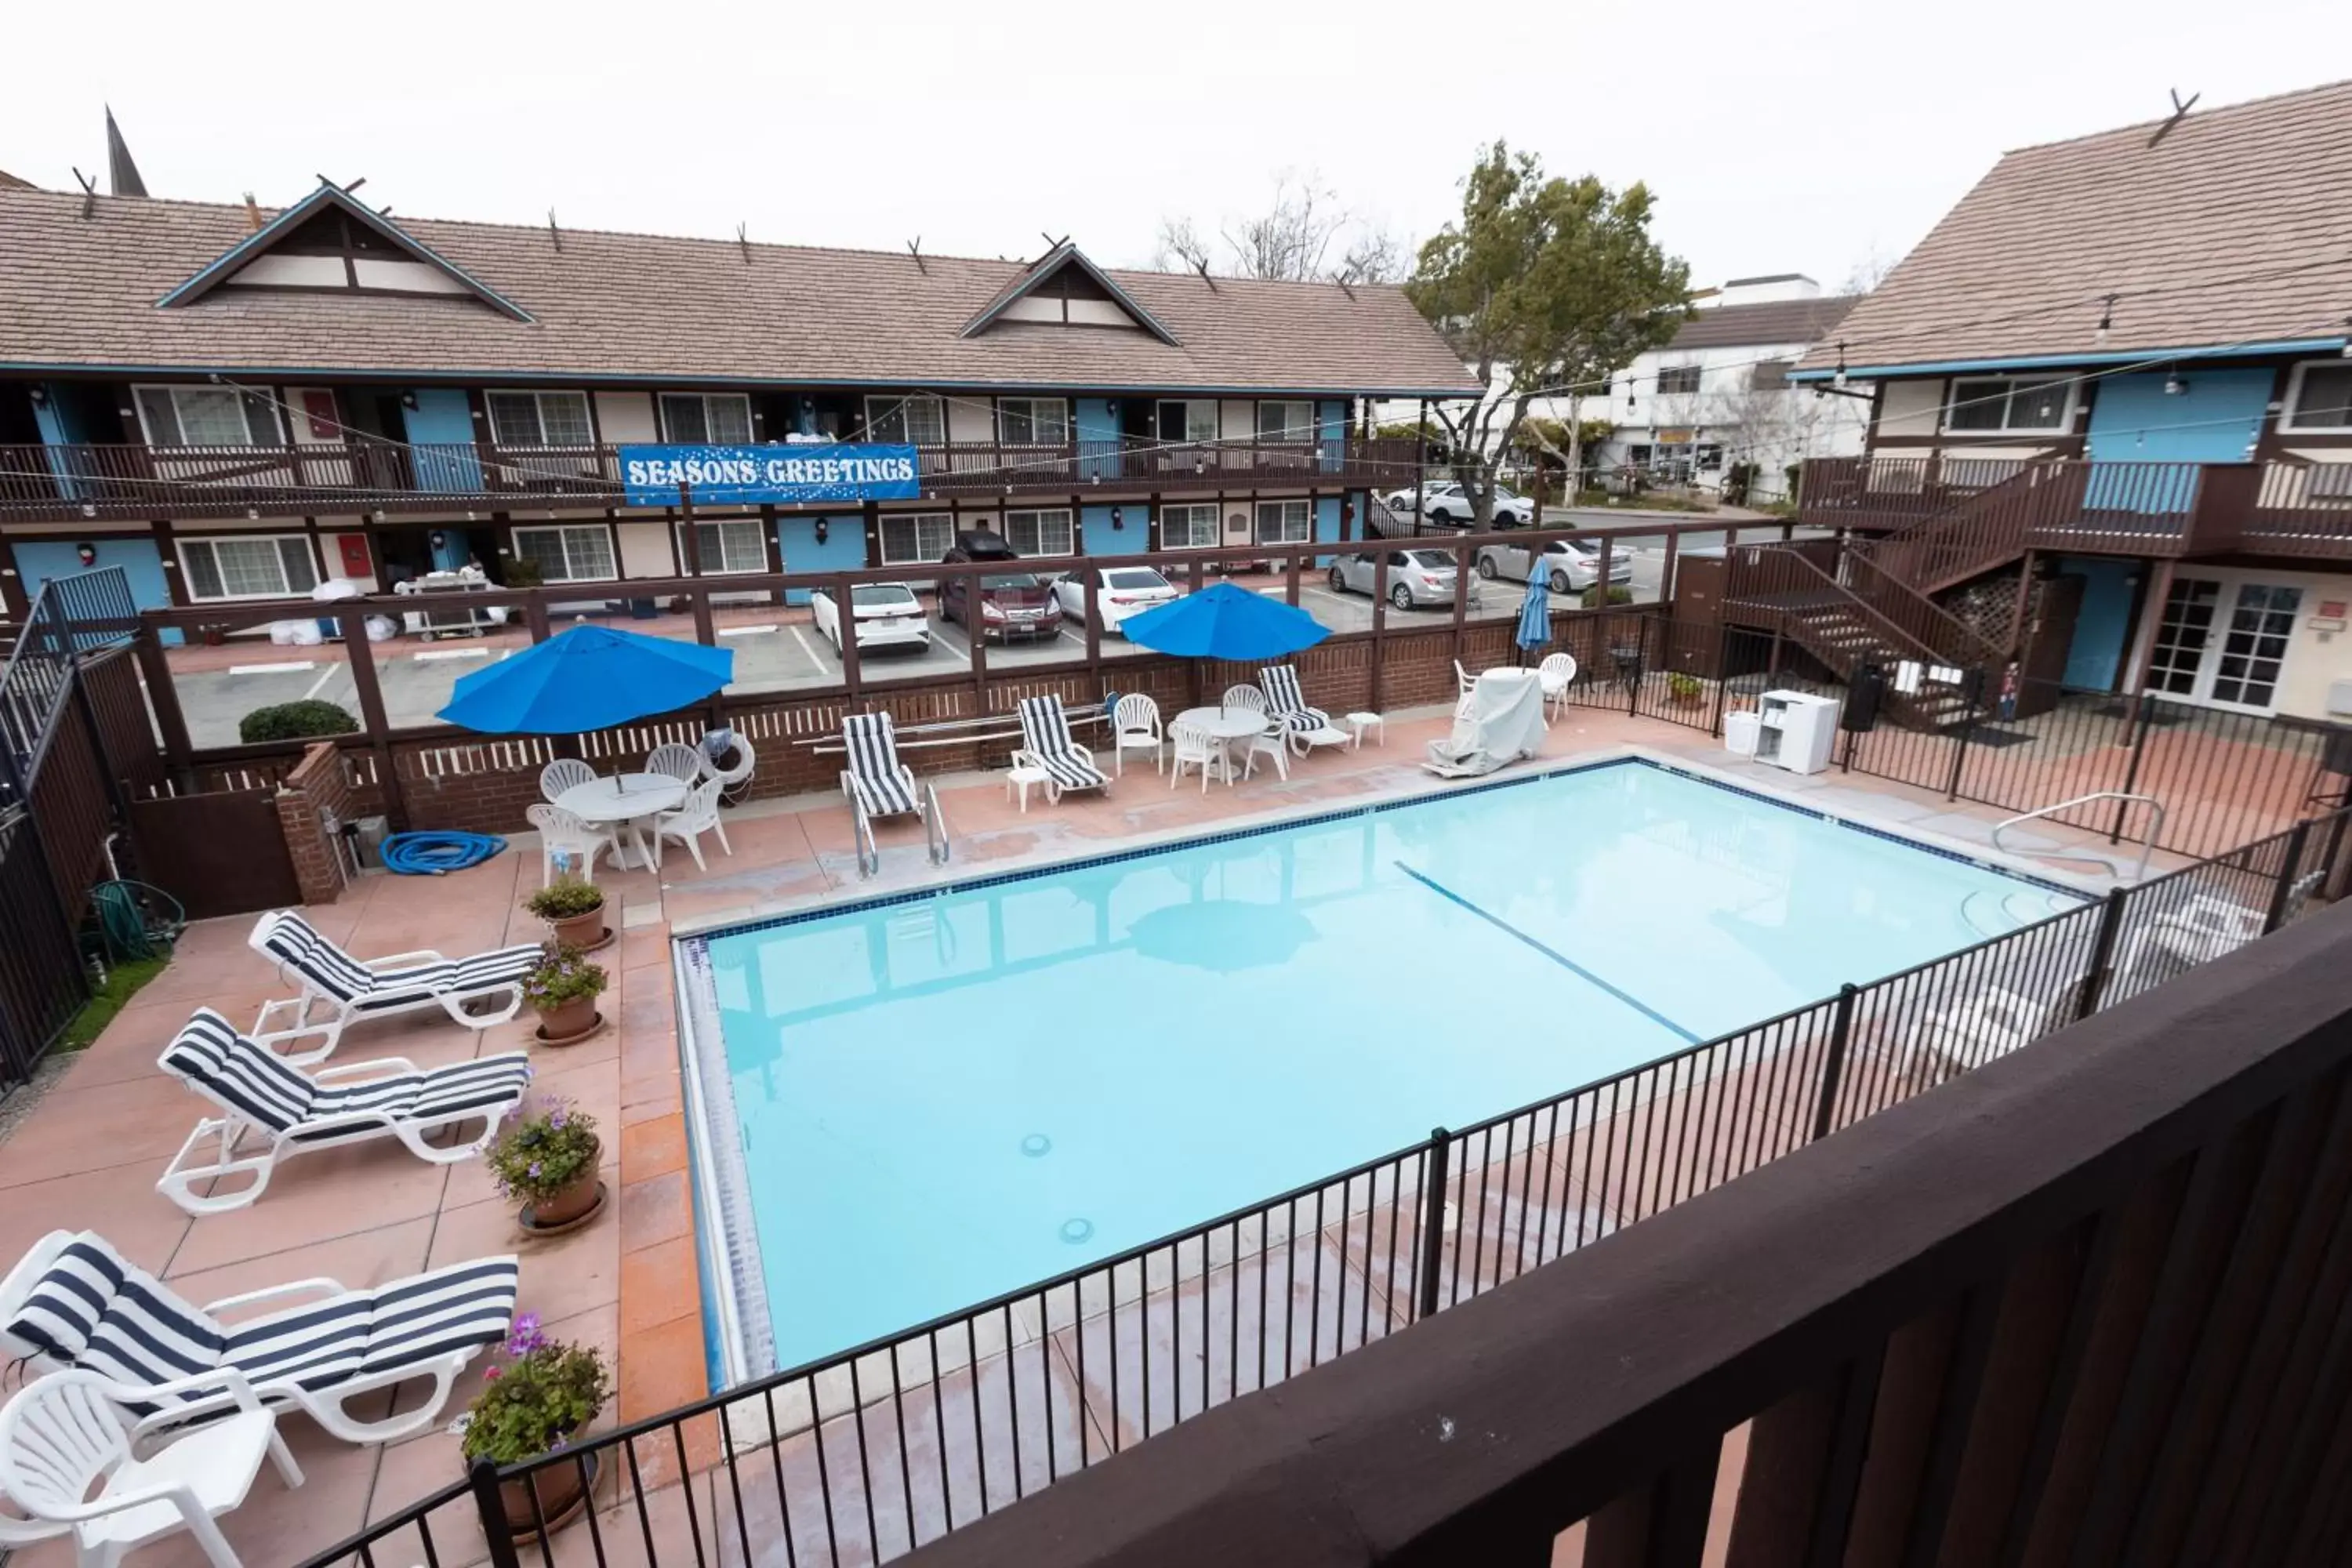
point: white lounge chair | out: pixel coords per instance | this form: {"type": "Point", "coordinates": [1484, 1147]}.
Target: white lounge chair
{"type": "Point", "coordinates": [689, 821]}
{"type": "Point", "coordinates": [1992, 1022]}
{"type": "Point", "coordinates": [1307, 727]}
{"type": "Point", "coordinates": [875, 779]}
{"type": "Point", "coordinates": [1047, 744]}
{"type": "Point", "coordinates": [1557, 673]}
{"type": "Point", "coordinates": [67, 1460]}
{"type": "Point", "coordinates": [2203, 928]}
{"type": "Point", "coordinates": [297, 1111]}
{"type": "Point", "coordinates": [673, 760]}
{"type": "Point", "coordinates": [563, 774]}
{"type": "Point", "coordinates": [73, 1301]}
{"type": "Point", "coordinates": [1135, 726]}
{"type": "Point", "coordinates": [346, 989]}
{"type": "Point", "coordinates": [1196, 748]}
{"type": "Point", "coordinates": [566, 835]}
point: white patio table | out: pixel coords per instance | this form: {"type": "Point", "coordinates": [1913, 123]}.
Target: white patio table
{"type": "Point", "coordinates": [629, 799]}
{"type": "Point", "coordinates": [1228, 727]}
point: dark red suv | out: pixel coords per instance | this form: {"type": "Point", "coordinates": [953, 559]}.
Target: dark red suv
{"type": "Point", "coordinates": [1016, 604]}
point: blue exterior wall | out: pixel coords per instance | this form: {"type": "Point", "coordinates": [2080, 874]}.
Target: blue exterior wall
{"type": "Point", "coordinates": [141, 560]}
{"type": "Point", "coordinates": [1094, 423]}
{"type": "Point", "coordinates": [1331, 433]}
{"type": "Point", "coordinates": [2103, 626]}
{"type": "Point", "coordinates": [2214, 418]}
{"type": "Point", "coordinates": [843, 549]}
{"type": "Point", "coordinates": [1101, 539]}
{"type": "Point", "coordinates": [442, 418]}
{"type": "Point", "coordinates": [1326, 518]}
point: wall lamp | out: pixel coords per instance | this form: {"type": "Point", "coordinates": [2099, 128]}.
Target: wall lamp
{"type": "Point", "coordinates": [1118, 516]}
{"type": "Point", "coordinates": [821, 530]}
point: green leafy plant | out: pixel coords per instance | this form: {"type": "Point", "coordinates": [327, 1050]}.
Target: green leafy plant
{"type": "Point", "coordinates": [1682, 688]}
{"type": "Point", "coordinates": [543, 1151]}
{"type": "Point", "coordinates": [563, 975]}
{"type": "Point", "coordinates": [562, 900]}
{"type": "Point", "coordinates": [304, 721]}
{"type": "Point", "coordinates": [1617, 595]}
{"type": "Point", "coordinates": [519, 573]}
{"type": "Point", "coordinates": [533, 1402]}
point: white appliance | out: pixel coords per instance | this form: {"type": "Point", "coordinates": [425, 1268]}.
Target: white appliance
{"type": "Point", "coordinates": [1796, 731]}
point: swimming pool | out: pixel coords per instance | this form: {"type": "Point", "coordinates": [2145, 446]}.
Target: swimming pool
{"type": "Point", "coordinates": [938, 1098]}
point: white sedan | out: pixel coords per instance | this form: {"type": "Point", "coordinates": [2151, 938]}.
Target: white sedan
{"type": "Point", "coordinates": [1119, 592]}
{"type": "Point", "coordinates": [1449, 503]}
{"type": "Point", "coordinates": [887, 616]}
{"type": "Point", "coordinates": [1568, 564]}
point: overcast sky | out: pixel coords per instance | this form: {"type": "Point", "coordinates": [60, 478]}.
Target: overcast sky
{"type": "Point", "coordinates": [1777, 138]}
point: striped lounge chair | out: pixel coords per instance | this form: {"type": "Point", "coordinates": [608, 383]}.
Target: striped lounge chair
{"type": "Point", "coordinates": [1048, 746]}
{"type": "Point", "coordinates": [74, 1302]}
{"type": "Point", "coordinates": [338, 989]}
{"type": "Point", "coordinates": [1306, 727]}
{"type": "Point", "coordinates": [295, 1112]}
{"type": "Point", "coordinates": [876, 779]}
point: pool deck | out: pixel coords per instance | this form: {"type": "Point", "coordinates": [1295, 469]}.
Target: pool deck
{"type": "Point", "coordinates": [86, 1155]}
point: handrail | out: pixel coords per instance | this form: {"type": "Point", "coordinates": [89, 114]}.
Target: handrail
{"type": "Point", "coordinates": [1978, 649]}
{"type": "Point", "coordinates": [869, 853]}
{"type": "Point", "coordinates": [1902, 638]}
{"type": "Point", "coordinates": [935, 825]}
{"type": "Point", "coordinates": [2147, 844]}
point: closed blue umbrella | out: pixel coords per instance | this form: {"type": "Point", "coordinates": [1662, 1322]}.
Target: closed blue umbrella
{"type": "Point", "coordinates": [1224, 622]}
{"type": "Point", "coordinates": [589, 678]}
{"type": "Point", "coordinates": [1535, 615]}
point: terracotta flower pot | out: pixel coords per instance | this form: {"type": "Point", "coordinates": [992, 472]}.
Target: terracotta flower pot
{"type": "Point", "coordinates": [581, 930]}
{"type": "Point", "coordinates": [572, 1016]}
{"type": "Point", "coordinates": [576, 1198]}
{"type": "Point", "coordinates": [561, 1491]}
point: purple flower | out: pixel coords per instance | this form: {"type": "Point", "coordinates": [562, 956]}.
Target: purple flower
{"type": "Point", "coordinates": [534, 1170]}
{"type": "Point", "coordinates": [524, 1337]}
{"type": "Point", "coordinates": [558, 1117]}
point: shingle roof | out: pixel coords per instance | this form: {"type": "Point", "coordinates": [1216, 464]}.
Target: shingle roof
{"type": "Point", "coordinates": [1774, 321]}
{"type": "Point", "coordinates": [9, 182]}
{"type": "Point", "coordinates": [624, 306]}
{"type": "Point", "coordinates": [2235, 227]}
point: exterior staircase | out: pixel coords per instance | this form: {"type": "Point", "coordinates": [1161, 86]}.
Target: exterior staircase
{"type": "Point", "coordinates": [1984, 531]}
{"type": "Point", "coordinates": [1861, 614]}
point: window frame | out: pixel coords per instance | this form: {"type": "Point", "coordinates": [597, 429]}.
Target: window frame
{"type": "Point", "coordinates": [248, 404]}
{"type": "Point", "coordinates": [946, 520]}
{"type": "Point", "coordinates": [1770, 374]}
{"type": "Point", "coordinates": [1038, 514]}
{"type": "Point", "coordinates": [1306, 510]}
{"type": "Point", "coordinates": [1003, 407]}
{"type": "Point", "coordinates": [612, 549]}
{"type": "Point", "coordinates": [539, 416]}
{"type": "Point", "coordinates": [1189, 405]}
{"type": "Point", "coordinates": [2292, 406]}
{"type": "Point", "coordinates": [2015, 383]}
{"type": "Point", "coordinates": [661, 411]}
{"type": "Point", "coordinates": [758, 535]}
{"type": "Point", "coordinates": [212, 541]}
{"type": "Point", "coordinates": [1257, 423]}
{"type": "Point", "coordinates": [899, 403]}
{"type": "Point", "coordinates": [1696, 373]}
{"type": "Point", "coordinates": [1216, 512]}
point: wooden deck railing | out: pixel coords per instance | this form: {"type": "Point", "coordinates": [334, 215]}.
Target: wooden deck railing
{"type": "Point", "coordinates": [361, 473]}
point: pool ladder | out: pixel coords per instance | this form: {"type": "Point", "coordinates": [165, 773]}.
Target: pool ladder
{"type": "Point", "coordinates": [935, 826]}
{"type": "Point", "coordinates": [935, 833]}
{"type": "Point", "coordinates": [2147, 843]}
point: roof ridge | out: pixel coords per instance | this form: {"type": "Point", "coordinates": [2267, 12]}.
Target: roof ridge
{"type": "Point", "coordinates": [2193, 116]}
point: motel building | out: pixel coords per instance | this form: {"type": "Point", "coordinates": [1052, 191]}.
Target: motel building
{"type": "Point", "coordinates": [237, 405]}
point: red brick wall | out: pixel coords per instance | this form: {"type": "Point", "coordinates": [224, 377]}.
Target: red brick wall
{"type": "Point", "coordinates": [318, 787]}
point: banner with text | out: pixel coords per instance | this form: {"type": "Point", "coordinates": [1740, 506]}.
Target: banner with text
{"type": "Point", "coordinates": [789, 475]}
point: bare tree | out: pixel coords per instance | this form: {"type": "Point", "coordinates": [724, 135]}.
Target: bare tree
{"type": "Point", "coordinates": [1869, 271]}
{"type": "Point", "coordinates": [1181, 247]}
{"type": "Point", "coordinates": [1293, 240]}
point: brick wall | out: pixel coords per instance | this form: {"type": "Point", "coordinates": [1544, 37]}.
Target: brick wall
{"type": "Point", "coordinates": [319, 787]}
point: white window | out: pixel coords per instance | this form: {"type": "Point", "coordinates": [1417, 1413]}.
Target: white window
{"type": "Point", "coordinates": [2007, 402]}
{"type": "Point", "coordinates": [1192, 419]}
{"type": "Point", "coordinates": [730, 544]}
{"type": "Point", "coordinates": [1679, 380]}
{"type": "Point", "coordinates": [2319, 396]}
{"type": "Point", "coordinates": [1033, 421]}
{"type": "Point", "coordinates": [540, 419]}
{"type": "Point", "coordinates": [1039, 533]}
{"type": "Point", "coordinates": [1284, 522]}
{"type": "Point", "coordinates": [250, 566]}
{"type": "Point", "coordinates": [205, 416]}
{"type": "Point", "coordinates": [577, 552]}
{"type": "Point", "coordinates": [1286, 422]}
{"type": "Point", "coordinates": [918, 419]}
{"type": "Point", "coordinates": [1188, 527]}
{"type": "Point", "coordinates": [912, 537]}
{"type": "Point", "coordinates": [706, 419]}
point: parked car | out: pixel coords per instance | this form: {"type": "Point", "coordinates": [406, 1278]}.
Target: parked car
{"type": "Point", "coordinates": [1119, 592]}
{"type": "Point", "coordinates": [1570, 566]}
{"type": "Point", "coordinates": [887, 616]}
{"type": "Point", "coordinates": [1449, 504]}
{"type": "Point", "coordinates": [1012, 604]}
{"type": "Point", "coordinates": [1417, 579]}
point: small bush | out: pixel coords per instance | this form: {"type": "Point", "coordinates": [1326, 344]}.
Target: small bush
{"type": "Point", "coordinates": [561, 901]}
{"type": "Point", "coordinates": [304, 721]}
{"type": "Point", "coordinates": [1682, 688]}
{"type": "Point", "coordinates": [1616, 596]}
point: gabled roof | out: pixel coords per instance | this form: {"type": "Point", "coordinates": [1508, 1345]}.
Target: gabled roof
{"type": "Point", "coordinates": [2232, 227]}
{"type": "Point", "coordinates": [329, 195]}
{"type": "Point", "coordinates": [623, 308]}
{"type": "Point", "coordinates": [1064, 257]}
{"type": "Point", "coordinates": [9, 182]}
{"type": "Point", "coordinates": [1792, 321]}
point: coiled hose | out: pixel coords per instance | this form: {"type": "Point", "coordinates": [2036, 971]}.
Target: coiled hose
{"type": "Point", "coordinates": [126, 927]}
{"type": "Point", "coordinates": [432, 854]}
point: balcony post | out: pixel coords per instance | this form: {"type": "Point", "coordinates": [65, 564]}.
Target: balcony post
{"type": "Point", "coordinates": [1666, 569]}
{"type": "Point", "coordinates": [1432, 1222]}
{"type": "Point", "coordinates": [1833, 1063]}
{"type": "Point", "coordinates": [371, 719]}
{"type": "Point", "coordinates": [163, 698]}
{"type": "Point", "coordinates": [2288, 867]}
{"type": "Point", "coordinates": [1461, 595]}
{"type": "Point", "coordinates": [846, 618]}
{"type": "Point", "coordinates": [1093, 584]}
{"type": "Point", "coordinates": [1379, 619]}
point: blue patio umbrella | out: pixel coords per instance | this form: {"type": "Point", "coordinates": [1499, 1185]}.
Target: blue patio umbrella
{"type": "Point", "coordinates": [588, 678]}
{"type": "Point", "coordinates": [1224, 622]}
{"type": "Point", "coordinates": [1535, 615]}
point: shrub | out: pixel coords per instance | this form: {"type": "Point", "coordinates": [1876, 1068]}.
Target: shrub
{"type": "Point", "coordinates": [519, 572]}
{"type": "Point", "coordinates": [1682, 688]}
{"type": "Point", "coordinates": [561, 901]}
{"type": "Point", "coordinates": [563, 975]}
{"type": "Point", "coordinates": [304, 721]}
{"type": "Point", "coordinates": [538, 1154]}
{"type": "Point", "coordinates": [1616, 596]}
{"type": "Point", "coordinates": [534, 1402]}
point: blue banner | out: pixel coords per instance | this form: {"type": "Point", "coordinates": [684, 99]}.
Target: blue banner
{"type": "Point", "coordinates": [785, 475]}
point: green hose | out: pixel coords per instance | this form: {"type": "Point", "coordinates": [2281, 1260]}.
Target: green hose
{"type": "Point", "coordinates": [123, 922]}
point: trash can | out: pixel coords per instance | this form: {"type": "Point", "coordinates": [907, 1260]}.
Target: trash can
{"type": "Point", "coordinates": [1739, 732]}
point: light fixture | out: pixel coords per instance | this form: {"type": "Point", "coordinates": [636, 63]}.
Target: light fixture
{"type": "Point", "coordinates": [2106, 320]}
{"type": "Point", "coordinates": [40, 395]}
{"type": "Point", "coordinates": [821, 530]}
{"type": "Point", "coordinates": [252, 514]}
{"type": "Point", "coordinates": [1839, 379]}
{"type": "Point", "coordinates": [1347, 512]}
{"type": "Point", "coordinates": [1118, 516]}
{"type": "Point", "coordinates": [438, 539]}
{"type": "Point", "coordinates": [88, 552]}
{"type": "Point", "coordinates": [408, 401]}
{"type": "Point", "coordinates": [2173, 385]}
{"type": "Point", "coordinates": [88, 510]}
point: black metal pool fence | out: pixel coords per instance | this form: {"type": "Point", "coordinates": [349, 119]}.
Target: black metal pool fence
{"type": "Point", "coordinates": [863, 1455]}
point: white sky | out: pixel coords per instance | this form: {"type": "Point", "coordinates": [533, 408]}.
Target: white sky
{"type": "Point", "coordinates": [1777, 138]}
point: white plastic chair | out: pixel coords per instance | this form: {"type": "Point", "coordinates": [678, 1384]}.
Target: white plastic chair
{"type": "Point", "coordinates": [67, 1460]}
{"type": "Point", "coordinates": [1273, 741]}
{"type": "Point", "coordinates": [562, 832]}
{"type": "Point", "coordinates": [1196, 748]}
{"type": "Point", "coordinates": [1248, 697]}
{"type": "Point", "coordinates": [689, 821]}
{"type": "Point", "coordinates": [1135, 724]}
{"type": "Point", "coordinates": [1557, 673]}
{"type": "Point", "coordinates": [681, 763]}
{"type": "Point", "coordinates": [563, 774]}
{"type": "Point", "coordinates": [1464, 679]}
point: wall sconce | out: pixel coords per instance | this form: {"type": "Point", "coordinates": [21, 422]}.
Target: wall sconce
{"type": "Point", "coordinates": [821, 530]}
{"type": "Point", "coordinates": [40, 395]}
{"type": "Point", "coordinates": [2174, 387]}
{"type": "Point", "coordinates": [88, 510]}
{"type": "Point", "coordinates": [408, 401]}
{"type": "Point", "coordinates": [437, 539]}
{"type": "Point", "coordinates": [1118, 516]}
{"type": "Point", "coordinates": [1347, 512]}
{"type": "Point", "coordinates": [88, 552]}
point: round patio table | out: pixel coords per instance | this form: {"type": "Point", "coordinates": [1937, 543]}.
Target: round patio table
{"type": "Point", "coordinates": [628, 800]}
{"type": "Point", "coordinates": [1228, 727]}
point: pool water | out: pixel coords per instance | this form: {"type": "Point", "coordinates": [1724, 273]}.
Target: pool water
{"type": "Point", "coordinates": [945, 1098]}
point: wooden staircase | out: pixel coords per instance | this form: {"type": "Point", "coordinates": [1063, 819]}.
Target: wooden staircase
{"type": "Point", "coordinates": [1860, 614]}
{"type": "Point", "coordinates": [1985, 531]}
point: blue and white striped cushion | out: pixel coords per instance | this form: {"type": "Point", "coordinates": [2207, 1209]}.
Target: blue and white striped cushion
{"type": "Point", "coordinates": [456, 976]}
{"type": "Point", "coordinates": [873, 751]}
{"type": "Point", "coordinates": [1046, 730]}
{"type": "Point", "coordinates": [93, 1308]}
{"type": "Point", "coordinates": [432, 1315]}
{"type": "Point", "coordinates": [296, 943]}
{"type": "Point", "coordinates": [1280, 683]}
{"type": "Point", "coordinates": [242, 1079]}
{"type": "Point", "coordinates": [440, 1094]}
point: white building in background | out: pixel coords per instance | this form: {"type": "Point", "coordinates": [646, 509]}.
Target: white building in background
{"type": "Point", "coordinates": [1719, 396]}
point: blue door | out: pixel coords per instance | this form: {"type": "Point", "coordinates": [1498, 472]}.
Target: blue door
{"type": "Point", "coordinates": [2102, 622]}
{"type": "Point", "coordinates": [39, 560]}
{"type": "Point", "coordinates": [441, 435]}
{"type": "Point", "coordinates": [2212, 416]}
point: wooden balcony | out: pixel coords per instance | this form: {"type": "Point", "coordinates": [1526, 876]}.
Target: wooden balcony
{"type": "Point", "coordinates": [42, 483]}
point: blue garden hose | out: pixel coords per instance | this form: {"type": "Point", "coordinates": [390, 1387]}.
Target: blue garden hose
{"type": "Point", "coordinates": [431, 854]}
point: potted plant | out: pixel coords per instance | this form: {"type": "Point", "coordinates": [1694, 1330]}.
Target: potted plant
{"type": "Point", "coordinates": [535, 1403]}
{"type": "Point", "coordinates": [1682, 690]}
{"type": "Point", "coordinates": [548, 1158]}
{"type": "Point", "coordinates": [564, 990]}
{"type": "Point", "coordinates": [575, 910]}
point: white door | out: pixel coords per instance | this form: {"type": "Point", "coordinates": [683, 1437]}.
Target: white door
{"type": "Point", "coordinates": [2223, 644]}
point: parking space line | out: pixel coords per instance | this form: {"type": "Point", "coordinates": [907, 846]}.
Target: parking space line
{"type": "Point", "coordinates": [807, 647]}
{"type": "Point", "coordinates": [291, 664]}
{"type": "Point", "coordinates": [451, 653]}
{"type": "Point", "coordinates": [319, 685]}
{"type": "Point", "coordinates": [759, 630]}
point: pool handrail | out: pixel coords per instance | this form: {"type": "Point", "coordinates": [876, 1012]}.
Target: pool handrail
{"type": "Point", "coordinates": [2147, 843]}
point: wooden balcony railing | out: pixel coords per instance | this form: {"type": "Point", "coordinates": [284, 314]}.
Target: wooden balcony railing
{"type": "Point", "coordinates": [361, 474]}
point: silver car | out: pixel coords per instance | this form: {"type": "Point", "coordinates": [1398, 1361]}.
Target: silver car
{"type": "Point", "coordinates": [1569, 565]}
{"type": "Point", "coordinates": [1417, 579]}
